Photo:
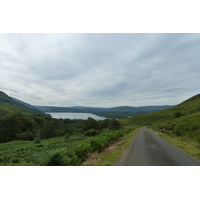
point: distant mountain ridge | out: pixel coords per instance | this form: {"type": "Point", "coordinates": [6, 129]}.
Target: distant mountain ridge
{"type": "Point", "coordinates": [186, 108]}
{"type": "Point", "coordinates": [115, 112]}
{"type": "Point", "coordinates": [13, 105]}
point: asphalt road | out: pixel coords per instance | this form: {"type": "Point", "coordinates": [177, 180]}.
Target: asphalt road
{"type": "Point", "coordinates": [149, 149]}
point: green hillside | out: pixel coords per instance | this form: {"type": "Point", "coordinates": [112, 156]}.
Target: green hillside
{"type": "Point", "coordinates": [10, 106]}
{"type": "Point", "coordinates": [186, 108]}
{"type": "Point", "coordinates": [180, 124]}
{"type": "Point", "coordinates": [7, 109]}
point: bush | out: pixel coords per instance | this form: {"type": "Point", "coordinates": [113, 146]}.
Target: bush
{"type": "Point", "coordinates": [36, 140]}
{"type": "Point", "coordinates": [25, 136]}
{"type": "Point", "coordinates": [114, 125]}
{"type": "Point", "coordinates": [66, 136]}
{"type": "Point", "coordinates": [62, 130]}
{"type": "Point", "coordinates": [82, 151]}
{"type": "Point", "coordinates": [179, 129]}
{"type": "Point", "coordinates": [98, 144]}
{"type": "Point", "coordinates": [55, 160]}
{"type": "Point", "coordinates": [177, 115]}
{"type": "Point", "coordinates": [90, 123]}
{"type": "Point", "coordinates": [48, 130]}
{"type": "Point", "coordinates": [104, 123]}
{"type": "Point", "coordinates": [91, 132]}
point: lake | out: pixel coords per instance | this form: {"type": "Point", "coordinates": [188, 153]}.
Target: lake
{"type": "Point", "coordinates": [69, 115]}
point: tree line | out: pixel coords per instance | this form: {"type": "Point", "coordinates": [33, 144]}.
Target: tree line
{"type": "Point", "coordinates": [35, 127]}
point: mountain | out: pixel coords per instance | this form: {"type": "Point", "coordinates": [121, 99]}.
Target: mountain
{"type": "Point", "coordinates": [8, 106]}
{"type": "Point", "coordinates": [186, 108]}
{"type": "Point", "coordinates": [115, 112]}
{"type": "Point", "coordinates": [24, 103]}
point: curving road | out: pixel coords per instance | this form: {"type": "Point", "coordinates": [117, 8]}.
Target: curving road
{"type": "Point", "coordinates": [149, 149]}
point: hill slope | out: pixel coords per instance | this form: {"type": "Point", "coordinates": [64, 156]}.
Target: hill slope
{"type": "Point", "coordinates": [9, 106]}
{"type": "Point", "coordinates": [186, 108]}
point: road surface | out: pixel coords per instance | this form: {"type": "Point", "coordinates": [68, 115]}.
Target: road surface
{"type": "Point", "coordinates": [149, 149]}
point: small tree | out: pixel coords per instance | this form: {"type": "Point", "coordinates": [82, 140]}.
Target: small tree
{"type": "Point", "coordinates": [114, 125]}
{"type": "Point", "coordinates": [90, 123]}
{"type": "Point", "coordinates": [48, 130]}
{"type": "Point", "coordinates": [104, 123]}
{"type": "Point", "coordinates": [177, 115]}
{"type": "Point", "coordinates": [91, 132]}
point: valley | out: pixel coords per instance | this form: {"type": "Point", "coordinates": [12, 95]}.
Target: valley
{"type": "Point", "coordinates": [28, 136]}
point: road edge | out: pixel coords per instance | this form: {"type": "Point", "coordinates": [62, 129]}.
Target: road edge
{"type": "Point", "coordinates": [121, 161]}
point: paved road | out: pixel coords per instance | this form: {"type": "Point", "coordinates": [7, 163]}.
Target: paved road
{"type": "Point", "coordinates": [149, 149]}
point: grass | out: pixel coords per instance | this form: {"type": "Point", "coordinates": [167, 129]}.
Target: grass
{"type": "Point", "coordinates": [191, 147]}
{"type": "Point", "coordinates": [188, 107]}
{"type": "Point", "coordinates": [113, 153]}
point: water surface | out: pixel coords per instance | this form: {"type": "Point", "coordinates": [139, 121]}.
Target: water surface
{"type": "Point", "coordinates": [69, 115]}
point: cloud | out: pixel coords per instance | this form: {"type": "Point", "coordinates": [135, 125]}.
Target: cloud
{"type": "Point", "coordinates": [100, 69]}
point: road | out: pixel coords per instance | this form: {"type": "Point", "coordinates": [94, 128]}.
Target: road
{"type": "Point", "coordinates": [149, 149]}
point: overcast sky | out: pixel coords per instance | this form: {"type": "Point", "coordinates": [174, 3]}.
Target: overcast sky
{"type": "Point", "coordinates": [103, 70]}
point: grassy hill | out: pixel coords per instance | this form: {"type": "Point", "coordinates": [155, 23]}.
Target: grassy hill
{"type": "Point", "coordinates": [186, 108]}
{"type": "Point", "coordinates": [10, 106]}
{"type": "Point", "coordinates": [181, 123]}
{"type": "Point", "coordinates": [7, 109]}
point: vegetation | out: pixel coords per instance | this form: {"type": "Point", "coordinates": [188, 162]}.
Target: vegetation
{"type": "Point", "coordinates": [188, 107]}
{"type": "Point", "coordinates": [10, 106]}
{"type": "Point", "coordinates": [38, 139]}
{"type": "Point", "coordinates": [56, 151]}
{"type": "Point", "coordinates": [189, 146]}
{"type": "Point", "coordinates": [112, 155]}
{"type": "Point", "coordinates": [29, 137]}
{"type": "Point", "coordinates": [179, 124]}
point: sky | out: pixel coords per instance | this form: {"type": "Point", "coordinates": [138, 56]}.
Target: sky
{"type": "Point", "coordinates": [101, 70]}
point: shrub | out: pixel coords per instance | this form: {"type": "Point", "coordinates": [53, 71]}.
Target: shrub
{"type": "Point", "coordinates": [48, 130]}
{"type": "Point", "coordinates": [66, 136]}
{"type": "Point", "coordinates": [114, 125]}
{"type": "Point", "coordinates": [104, 123]}
{"type": "Point", "coordinates": [25, 136]}
{"type": "Point", "coordinates": [62, 130]}
{"type": "Point", "coordinates": [82, 150]}
{"type": "Point", "coordinates": [179, 129]}
{"type": "Point", "coordinates": [90, 123]}
{"type": "Point", "coordinates": [98, 144]}
{"type": "Point", "coordinates": [177, 115]}
{"type": "Point", "coordinates": [91, 132]}
{"type": "Point", "coordinates": [36, 140]}
{"type": "Point", "coordinates": [55, 160]}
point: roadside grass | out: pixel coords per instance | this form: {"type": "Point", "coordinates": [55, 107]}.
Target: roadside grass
{"type": "Point", "coordinates": [111, 155]}
{"type": "Point", "coordinates": [190, 147]}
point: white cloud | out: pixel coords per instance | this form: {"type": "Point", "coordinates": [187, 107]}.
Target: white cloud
{"type": "Point", "coordinates": [100, 69]}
